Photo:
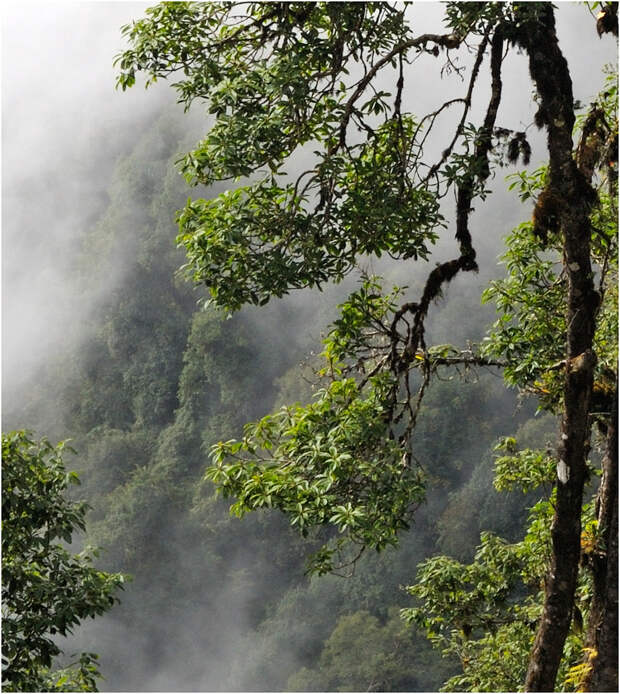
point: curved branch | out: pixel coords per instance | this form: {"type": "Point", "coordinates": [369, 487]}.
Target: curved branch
{"type": "Point", "coordinates": [478, 170]}
{"type": "Point", "coordinates": [446, 40]}
{"type": "Point", "coordinates": [459, 129]}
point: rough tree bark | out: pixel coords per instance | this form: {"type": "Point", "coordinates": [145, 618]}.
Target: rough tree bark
{"type": "Point", "coordinates": [575, 196]}
{"type": "Point", "coordinates": [603, 620]}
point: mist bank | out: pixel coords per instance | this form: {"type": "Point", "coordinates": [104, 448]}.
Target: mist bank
{"type": "Point", "coordinates": [64, 126]}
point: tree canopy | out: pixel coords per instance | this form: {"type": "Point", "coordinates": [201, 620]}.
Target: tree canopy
{"type": "Point", "coordinates": [307, 104]}
{"type": "Point", "coordinates": [46, 590]}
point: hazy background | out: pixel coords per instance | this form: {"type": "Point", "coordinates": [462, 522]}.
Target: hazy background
{"type": "Point", "coordinates": [61, 112]}
{"type": "Point", "coordinates": [63, 127]}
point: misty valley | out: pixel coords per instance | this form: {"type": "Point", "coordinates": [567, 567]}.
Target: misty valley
{"type": "Point", "coordinates": [321, 418]}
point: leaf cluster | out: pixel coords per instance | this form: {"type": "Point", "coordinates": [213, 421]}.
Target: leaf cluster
{"type": "Point", "coordinates": [529, 332]}
{"type": "Point", "coordinates": [46, 590]}
{"type": "Point", "coordinates": [526, 469]}
{"type": "Point", "coordinates": [358, 335]}
{"type": "Point", "coordinates": [486, 612]}
{"type": "Point", "coordinates": [262, 240]}
{"type": "Point", "coordinates": [330, 462]}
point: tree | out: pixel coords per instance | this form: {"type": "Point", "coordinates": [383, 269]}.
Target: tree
{"type": "Point", "coordinates": [292, 82]}
{"type": "Point", "coordinates": [46, 591]}
{"type": "Point", "coordinates": [363, 654]}
{"type": "Point", "coordinates": [485, 612]}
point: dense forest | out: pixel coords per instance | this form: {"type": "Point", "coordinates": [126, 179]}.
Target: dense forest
{"type": "Point", "coordinates": [157, 386]}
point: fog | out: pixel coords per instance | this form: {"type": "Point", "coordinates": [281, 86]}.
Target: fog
{"type": "Point", "coordinates": [64, 130]}
{"type": "Point", "coordinates": [63, 127]}
{"type": "Point", "coordinates": [61, 113]}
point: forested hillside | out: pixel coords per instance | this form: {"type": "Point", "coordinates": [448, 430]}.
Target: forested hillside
{"type": "Point", "coordinates": [220, 601]}
{"type": "Point", "coordinates": [157, 382]}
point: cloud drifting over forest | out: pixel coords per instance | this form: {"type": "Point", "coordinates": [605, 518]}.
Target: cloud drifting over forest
{"type": "Point", "coordinates": [63, 127]}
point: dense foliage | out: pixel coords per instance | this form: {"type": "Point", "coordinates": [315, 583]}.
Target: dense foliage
{"type": "Point", "coordinates": [46, 590]}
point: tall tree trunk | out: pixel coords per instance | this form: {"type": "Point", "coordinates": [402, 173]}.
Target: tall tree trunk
{"type": "Point", "coordinates": [603, 620]}
{"type": "Point", "coordinates": [549, 71]}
